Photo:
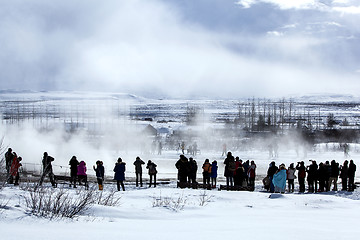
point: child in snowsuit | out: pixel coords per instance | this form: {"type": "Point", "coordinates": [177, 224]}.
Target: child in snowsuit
{"type": "Point", "coordinates": [14, 170]}
{"type": "Point", "coordinates": [81, 174]}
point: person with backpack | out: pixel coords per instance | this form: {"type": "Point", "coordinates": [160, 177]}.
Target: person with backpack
{"type": "Point", "coordinates": [152, 172]}
{"type": "Point", "coordinates": [100, 174]}
{"type": "Point", "coordinates": [138, 171]}
{"type": "Point", "coordinates": [206, 173]}
{"type": "Point", "coordinates": [290, 172]}
{"type": "Point", "coordinates": [119, 170]}
{"type": "Point", "coordinates": [47, 169]}
{"type": "Point", "coordinates": [230, 168]}
{"type": "Point", "coordinates": [214, 169]}
{"type": "Point", "coordinates": [73, 170]}
{"type": "Point", "coordinates": [14, 170]}
{"type": "Point", "coordinates": [301, 175]}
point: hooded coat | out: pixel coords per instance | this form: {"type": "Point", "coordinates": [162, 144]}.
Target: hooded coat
{"type": "Point", "coordinates": [279, 179]}
{"type": "Point", "coordinates": [119, 170]}
{"type": "Point", "coordinates": [81, 169]}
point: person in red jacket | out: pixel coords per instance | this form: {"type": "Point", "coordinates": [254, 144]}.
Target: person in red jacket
{"type": "Point", "coordinates": [14, 170]}
{"type": "Point", "coordinates": [251, 173]}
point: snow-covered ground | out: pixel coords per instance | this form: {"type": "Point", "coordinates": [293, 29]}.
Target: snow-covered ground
{"type": "Point", "coordinates": [205, 215]}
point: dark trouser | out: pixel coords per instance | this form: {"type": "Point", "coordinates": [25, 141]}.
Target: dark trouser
{"type": "Point", "coordinates": [51, 176]}
{"type": "Point", "coordinates": [322, 185]}
{"type": "Point", "coordinates": [151, 177]}
{"type": "Point", "coordinates": [344, 184]}
{"type": "Point", "coordinates": [312, 185]}
{"type": "Point", "coordinates": [301, 184]}
{"type": "Point", "coordinates": [252, 183]}
{"type": "Point", "coordinates": [83, 178]}
{"type": "Point", "coordinates": [138, 177]}
{"type": "Point", "coordinates": [206, 178]}
{"type": "Point", "coordinates": [229, 181]}
{"type": "Point", "coordinates": [291, 185]}
{"type": "Point", "coordinates": [118, 183]}
{"type": "Point", "coordinates": [351, 186]}
{"type": "Point", "coordinates": [272, 187]}
{"type": "Point", "coordinates": [73, 177]}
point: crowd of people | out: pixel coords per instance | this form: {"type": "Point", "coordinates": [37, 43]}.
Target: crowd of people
{"type": "Point", "coordinates": [78, 171]}
{"type": "Point", "coordinates": [320, 178]}
{"type": "Point", "coordinates": [237, 172]}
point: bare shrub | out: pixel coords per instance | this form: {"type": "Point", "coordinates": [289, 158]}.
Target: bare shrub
{"type": "Point", "coordinates": [175, 204]}
{"type": "Point", "coordinates": [108, 198]}
{"type": "Point", "coordinates": [58, 203]}
{"type": "Point", "coordinates": [204, 198]}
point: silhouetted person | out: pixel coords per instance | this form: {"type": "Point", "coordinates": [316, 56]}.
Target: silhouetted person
{"type": "Point", "coordinates": [47, 169]}
{"type": "Point", "coordinates": [229, 169]}
{"type": "Point", "coordinates": [270, 174]}
{"type": "Point", "coordinates": [193, 167]}
{"type": "Point", "coordinates": [322, 175]}
{"type": "Point", "coordinates": [152, 172]}
{"type": "Point", "coordinates": [334, 174]}
{"type": "Point", "coordinates": [301, 175]}
{"type": "Point", "coordinates": [9, 156]}
{"type": "Point", "coordinates": [344, 175]}
{"type": "Point", "coordinates": [73, 170]}
{"type": "Point", "coordinates": [291, 177]}
{"type": "Point", "coordinates": [312, 178]}
{"type": "Point", "coordinates": [182, 166]}
{"type": "Point", "coordinates": [119, 170]}
{"type": "Point", "coordinates": [351, 175]}
{"type": "Point", "coordinates": [138, 171]}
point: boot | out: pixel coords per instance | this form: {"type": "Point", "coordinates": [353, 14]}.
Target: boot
{"type": "Point", "coordinates": [101, 187]}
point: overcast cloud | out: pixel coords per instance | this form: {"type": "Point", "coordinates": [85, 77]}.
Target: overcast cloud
{"type": "Point", "coordinates": [213, 48]}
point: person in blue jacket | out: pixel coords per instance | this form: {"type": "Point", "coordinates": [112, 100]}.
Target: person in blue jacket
{"type": "Point", "coordinates": [279, 179]}
{"type": "Point", "coordinates": [119, 170]}
{"type": "Point", "coordinates": [214, 169]}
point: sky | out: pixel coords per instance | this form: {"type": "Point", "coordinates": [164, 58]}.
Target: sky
{"type": "Point", "coordinates": [182, 48]}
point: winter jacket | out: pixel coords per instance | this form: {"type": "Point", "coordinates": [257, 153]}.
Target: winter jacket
{"type": "Point", "coordinates": [214, 169]}
{"type": "Point", "coordinates": [291, 173]}
{"type": "Point", "coordinates": [251, 171]}
{"type": "Point", "coordinates": [119, 170]}
{"type": "Point", "coordinates": [279, 179]}
{"type": "Point", "coordinates": [81, 169]}
{"type": "Point", "coordinates": [206, 167]}
{"type": "Point", "coordinates": [73, 166]}
{"type": "Point", "coordinates": [15, 167]}
{"type": "Point", "coordinates": [138, 162]}
{"type": "Point", "coordinates": [334, 169]}
{"type": "Point", "coordinates": [152, 168]}
{"type": "Point", "coordinates": [272, 170]}
{"type": "Point", "coordinates": [351, 170]}
{"type": "Point", "coordinates": [344, 172]}
{"type": "Point", "coordinates": [229, 166]}
{"type": "Point", "coordinates": [100, 171]}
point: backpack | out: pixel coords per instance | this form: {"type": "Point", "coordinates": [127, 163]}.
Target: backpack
{"type": "Point", "coordinates": [152, 169]}
{"type": "Point", "coordinates": [232, 166]}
